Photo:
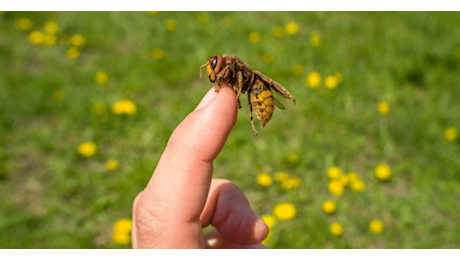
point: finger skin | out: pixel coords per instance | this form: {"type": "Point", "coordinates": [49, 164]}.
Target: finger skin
{"type": "Point", "coordinates": [228, 210]}
{"type": "Point", "coordinates": [167, 212]}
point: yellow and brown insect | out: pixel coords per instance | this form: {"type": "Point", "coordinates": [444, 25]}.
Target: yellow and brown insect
{"type": "Point", "coordinates": [235, 72]}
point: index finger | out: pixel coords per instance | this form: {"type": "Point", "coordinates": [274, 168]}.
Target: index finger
{"type": "Point", "coordinates": [176, 194]}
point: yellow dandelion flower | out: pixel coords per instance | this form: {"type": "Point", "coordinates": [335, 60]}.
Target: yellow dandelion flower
{"type": "Point", "coordinates": [358, 185]}
{"type": "Point", "coordinates": [279, 31]}
{"type": "Point", "coordinates": [73, 53]}
{"type": "Point", "coordinates": [352, 176]}
{"type": "Point", "coordinates": [284, 211]}
{"type": "Point", "coordinates": [336, 229]}
{"type": "Point", "coordinates": [293, 158]}
{"type": "Point", "coordinates": [77, 40]}
{"type": "Point", "coordinates": [121, 231]}
{"type": "Point", "coordinates": [101, 77]}
{"type": "Point", "coordinates": [315, 39]}
{"type": "Point", "coordinates": [36, 37]}
{"type": "Point", "coordinates": [331, 82]}
{"type": "Point", "coordinates": [335, 187]}
{"type": "Point", "coordinates": [344, 179]}
{"type": "Point", "coordinates": [153, 12]}
{"type": "Point", "coordinates": [313, 79]}
{"type": "Point", "coordinates": [291, 28]}
{"type": "Point", "coordinates": [291, 183]}
{"type": "Point", "coordinates": [87, 149]}
{"type": "Point", "coordinates": [123, 225]}
{"type": "Point", "coordinates": [334, 172]}
{"type": "Point", "coordinates": [2, 12]}
{"type": "Point", "coordinates": [227, 21]}
{"type": "Point", "coordinates": [450, 134]}
{"type": "Point", "coordinates": [124, 106]}
{"type": "Point", "coordinates": [281, 176]}
{"type": "Point", "coordinates": [203, 17]}
{"type": "Point", "coordinates": [329, 206]}
{"type": "Point", "coordinates": [376, 226]}
{"type": "Point", "coordinates": [254, 36]}
{"type": "Point", "coordinates": [296, 181]}
{"type": "Point", "coordinates": [99, 109]}
{"type": "Point", "coordinates": [121, 238]}
{"type": "Point", "coordinates": [286, 184]}
{"type": "Point", "coordinates": [339, 76]}
{"type": "Point", "coordinates": [457, 52]}
{"type": "Point", "coordinates": [383, 108]}
{"type": "Point", "coordinates": [158, 53]}
{"type": "Point", "coordinates": [298, 69]}
{"type": "Point", "coordinates": [51, 27]}
{"type": "Point", "coordinates": [265, 241]}
{"type": "Point", "coordinates": [382, 172]}
{"type": "Point", "coordinates": [269, 220]}
{"type": "Point", "coordinates": [24, 24]}
{"type": "Point", "coordinates": [171, 25]}
{"type": "Point", "coordinates": [58, 94]}
{"type": "Point", "coordinates": [264, 179]}
{"type": "Point", "coordinates": [112, 165]}
{"type": "Point", "coordinates": [49, 39]}
{"type": "Point", "coordinates": [267, 58]}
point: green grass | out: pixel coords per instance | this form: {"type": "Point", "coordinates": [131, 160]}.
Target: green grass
{"type": "Point", "coordinates": [52, 197]}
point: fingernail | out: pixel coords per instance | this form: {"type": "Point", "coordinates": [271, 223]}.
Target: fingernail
{"type": "Point", "coordinates": [207, 98]}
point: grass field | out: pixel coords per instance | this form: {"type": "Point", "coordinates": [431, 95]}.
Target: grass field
{"type": "Point", "coordinates": [386, 92]}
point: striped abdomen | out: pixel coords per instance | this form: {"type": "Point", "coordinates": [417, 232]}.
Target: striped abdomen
{"type": "Point", "coordinates": [262, 101]}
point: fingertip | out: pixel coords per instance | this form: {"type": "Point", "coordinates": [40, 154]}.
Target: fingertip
{"type": "Point", "coordinates": [228, 210]}
{"type": "Point", "coordinates": [221, 102]}
{"type": "Point", "coordinates": [224, 91]}
{"type": "Point", "coordinates": [210, 95]}
{"type": "Point", "coordinates": [260, 230]}
{"type": "Point", "coordinates": [206, 129]}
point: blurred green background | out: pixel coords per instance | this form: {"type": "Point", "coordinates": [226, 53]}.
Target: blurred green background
{"type": "Point", "coordinates": [372, 88]}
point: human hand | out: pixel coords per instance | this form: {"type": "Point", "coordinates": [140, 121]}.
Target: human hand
{"type": "Point", "coordinates": [181, 198]}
